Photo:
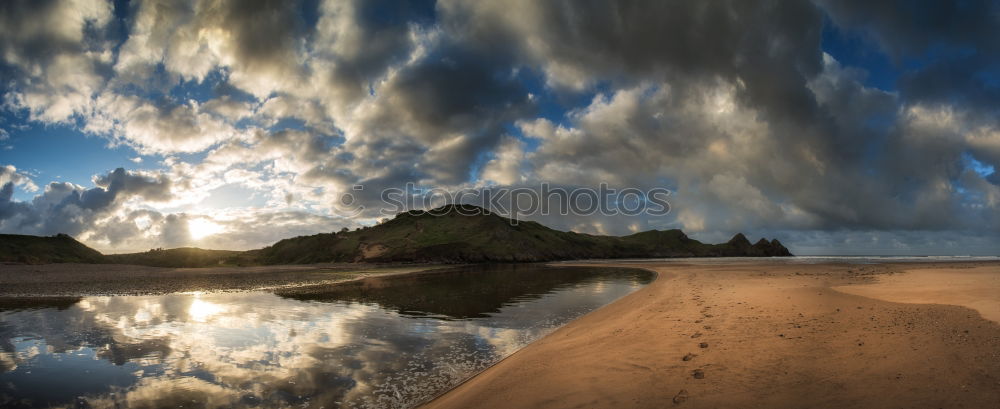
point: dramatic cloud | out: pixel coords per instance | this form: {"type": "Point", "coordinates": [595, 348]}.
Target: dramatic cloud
{"type": "Point", "coordinates": [839, 125]}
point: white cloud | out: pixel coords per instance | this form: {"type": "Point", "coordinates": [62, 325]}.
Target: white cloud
{"type": "Point", "coordinates": [10, 174]}
{"type": "Point", "coordinates": [59, 65]}
{"type": "Point", "coordinates": [163, 128]}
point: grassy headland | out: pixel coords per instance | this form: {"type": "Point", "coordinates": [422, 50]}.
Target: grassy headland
{"type": "Point", "coordinates": [450, 234]}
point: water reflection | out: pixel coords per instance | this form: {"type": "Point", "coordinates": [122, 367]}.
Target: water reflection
{"type": "Point", "coordinates": [381, 342]}
{"type": "Point", "coordinates": [464, 292]}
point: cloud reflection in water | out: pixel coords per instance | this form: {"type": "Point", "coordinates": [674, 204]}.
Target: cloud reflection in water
{"type": "Point", "coordinates": [381, 342]}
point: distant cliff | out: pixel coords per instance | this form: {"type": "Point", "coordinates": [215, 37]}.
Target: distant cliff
{"type": "Point", "coordinates": [450, 234]}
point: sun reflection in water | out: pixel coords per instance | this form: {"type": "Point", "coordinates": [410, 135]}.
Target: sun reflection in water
{"type": "Point", "coordinates": [201, 310]}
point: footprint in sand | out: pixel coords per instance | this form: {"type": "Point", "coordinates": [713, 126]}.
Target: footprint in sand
{"type": "Point", "coordinates": [681, 396]}
{"type": "Point", "coordinates": [703, 345]}
{"type": "Point", "coordinates": [688, 357]}
{"type": "Point", "coordinates": [698, 374]}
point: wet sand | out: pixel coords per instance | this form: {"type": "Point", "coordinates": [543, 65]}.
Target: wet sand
{"type": "Point", "coordinates": [767, 335]}
{"type": "Point", "coordinates": [74, 280]}
{"type": "Point", "coordinates": [974, 287]}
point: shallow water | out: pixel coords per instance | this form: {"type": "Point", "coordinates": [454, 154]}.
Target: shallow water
{"type": "Point", "coordinates": [379, 342]}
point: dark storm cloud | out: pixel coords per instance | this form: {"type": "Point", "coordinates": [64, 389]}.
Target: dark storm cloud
{"type": "Point", "coordinates": [365, 38]}
{"type": "Point", "coordinates": [906, 27]}
{"type": "Point", "coordinates": [9, 208]}
{"type": "Point", "coordinates": [827, 152]}
{"type": "Point", "coordinates": [35, 32]}
{"type": "Point", "coordinates": [609, 38]}
{"type": "Point", "coordinates": [967, 81]}
{"type": "Point", "coordinates": [154, 188]}
{"type": "Point", "coordinates": [428, 123]}
{"type": "Point", "coordinates": [67, 208]}
{"type": "Point", "coordinates": [52, 56]}
{"type": "Point", "coordinates": [772, 46]}
{"type": "Point", "coordinates": [452, 92]}
{"type": "Point", "coordinates": [957, 40]}
{"type": "Point", "coordinates": [266, 29]}
{"type": "Point", "coordinates": [950, 59]}
{"type": "Point", "coordinates": [10, 178]}
{"type": "Point", "coordinates": [454, 88]}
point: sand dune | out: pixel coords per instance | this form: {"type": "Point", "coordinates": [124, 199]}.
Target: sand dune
{"type": "Point", "coordinates": [766, 336]}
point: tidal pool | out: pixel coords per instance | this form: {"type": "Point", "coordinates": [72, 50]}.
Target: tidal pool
{"type": "Point", "coordinates": [379, 342]}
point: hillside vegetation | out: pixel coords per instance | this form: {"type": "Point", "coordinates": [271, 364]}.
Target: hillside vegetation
{"type": "Point", "coordinates": [461, 233]}
{"type": "Point", "coordinates": [454, 233]}
{"type": "Point", "coordinates": [61, 248]}
{"type": "Point", "coordinates": [179, 257]}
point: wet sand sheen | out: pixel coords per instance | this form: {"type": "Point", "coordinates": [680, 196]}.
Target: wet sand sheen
{"type": "Point", "coordinates": [758, 335]}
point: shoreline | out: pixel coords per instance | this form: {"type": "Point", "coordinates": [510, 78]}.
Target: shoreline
{"type": "Point", "coordinates": [656, 276]}
{"type": "Point", "coordinates": [584, 363]}
{"type": "Point", "coordinates": [85, 280]}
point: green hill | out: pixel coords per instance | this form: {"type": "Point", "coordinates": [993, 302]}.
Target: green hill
{"type": "Point", "coordinates": [179, 257]}
{"type": "Point", "coordinates": [461, 233]}
{"type": "Point", "coordinates": [61, 248]}
{"type": "Point", "coordinates": [450, 234]}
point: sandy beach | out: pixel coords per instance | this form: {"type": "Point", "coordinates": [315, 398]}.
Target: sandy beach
{"type": "Point", "coordinates": [705, 334]}
{"type": "Point", "coordinates": [767, 335]}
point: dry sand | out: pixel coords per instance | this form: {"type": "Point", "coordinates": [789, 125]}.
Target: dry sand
{"type": "Point", "coordinates": [767, 335]}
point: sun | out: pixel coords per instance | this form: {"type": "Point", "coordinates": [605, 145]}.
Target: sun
{"type": "Point", "coordinates": [201, 227]}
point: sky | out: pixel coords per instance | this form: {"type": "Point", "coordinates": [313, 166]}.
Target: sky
{"type": "Point", "coordinates": [840, 127]}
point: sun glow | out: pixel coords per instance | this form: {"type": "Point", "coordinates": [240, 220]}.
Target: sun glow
{"type": "Point", "coordinates": [200, 228]}
{"type": "Point", "coordinates": [201, 311]}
